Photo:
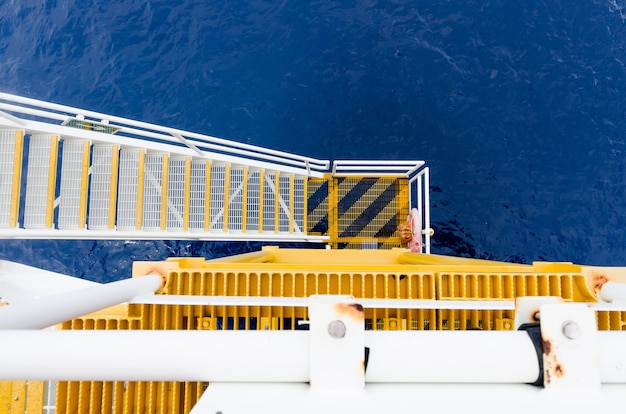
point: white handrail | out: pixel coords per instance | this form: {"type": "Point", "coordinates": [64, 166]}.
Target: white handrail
{"type": "Point", "coordinates": [43, 109]}
{"type": "Point", "coordinates": [379, 168]}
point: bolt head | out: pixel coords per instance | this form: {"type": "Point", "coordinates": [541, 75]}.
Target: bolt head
{"type": "Point", "coordinates": [337, 329]}
{"type": "Point", "coordinates": [571, 330]}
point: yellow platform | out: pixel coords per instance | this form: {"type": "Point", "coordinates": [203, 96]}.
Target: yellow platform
{"type": "Point", "coordinates": [383, 274]}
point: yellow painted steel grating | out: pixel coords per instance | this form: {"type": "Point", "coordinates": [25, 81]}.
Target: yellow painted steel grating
{"type": "Point", "coordinates": [128, 397]}
{"type": "Point", "coordinates": [300, 273]}
{"type": "Point", "coordinates": [358, 212]}
{"type": "Point", "coordinates": [22, 396]}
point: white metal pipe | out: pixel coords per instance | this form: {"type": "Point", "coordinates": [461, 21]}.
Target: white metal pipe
{"type": "Point", "coordinates": [50, 310]}
{"type": "Point", "coordinates": [281, 356]}
{"type": "Point", "coordinates": [144, 125]}
{"type": "Point", "coordinates": [258, 356]}
{"type": "Point", "coordinates": [427, 207]}
{"type": "Point", "coordinates": [379, 167]}
{"type": "Point", "coordinates": [129, 141]}
{"type": "Point", "coordinates": [451, 356]}
{"type": "Point", "coordinates": [177, 139]}
{"type": "Point", "coordinates": [473, 357]}
{"type": "Point", "coordinates": [613, 291]}
{"type": "Point", "coordinates": [377, 162]}
{"type": "Point", "coordinates": [155, 235]}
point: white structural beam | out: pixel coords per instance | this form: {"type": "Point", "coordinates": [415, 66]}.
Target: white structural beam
{"type": "Point", "coordinates": [331, 355]}
{"type": "Point", "coordinates": [282, 356]}
{"type": "Point", "coordinates": [50, 310]}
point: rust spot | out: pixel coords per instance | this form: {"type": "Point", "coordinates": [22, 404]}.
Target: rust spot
{"type": "Point", "coordinates": [598, 280]}
{"type": "Point", "coordinates": [404, 229]}
{"type": "Point", "coordinates": [159, 272]}
{"type": "Point", "coordinates": [547, 347]}
{"type": "Point", "coordinates": [552, 367]}
{"type": "Point", "coordinates": [353, 310]}
{"type": "Point", "coordinates": [534, 315]}
{"type": "Point", "coordinates": [558, 370]}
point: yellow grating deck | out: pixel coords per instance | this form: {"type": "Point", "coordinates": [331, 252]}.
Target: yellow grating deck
{"type": "Point", "coordinates": [358, 212]}
{"type": "Point", "coordinates": [385, 274]}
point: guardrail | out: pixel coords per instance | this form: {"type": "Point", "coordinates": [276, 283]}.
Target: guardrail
{"type": "Point", "coordinates": [35, 115]}
{"type": "Point", "coordinates": [375, 168]}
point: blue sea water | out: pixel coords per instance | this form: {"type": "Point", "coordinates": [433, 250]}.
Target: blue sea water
{"type": "Point", "coordinates": [517, 107]}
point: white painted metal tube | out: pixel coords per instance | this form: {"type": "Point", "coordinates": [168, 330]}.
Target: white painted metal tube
{"type": "Point", "coordinates": [49, 310]}
{"type": "Point", "coordinates": [281, 356]}
{"type": "Point", "coordinates": [221, 356]}
{"type": "Point", "coordinates": [315, 163]}
{"type": "Point", "coordinates": [451, 356]}
{"type": "Point", "coordinates": [474, 357]}
{"type": "Point", "coordinates": [613, 291]}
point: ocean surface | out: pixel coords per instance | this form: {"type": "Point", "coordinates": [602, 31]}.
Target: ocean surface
{"type": "Point", "coordinates": [518, 108]}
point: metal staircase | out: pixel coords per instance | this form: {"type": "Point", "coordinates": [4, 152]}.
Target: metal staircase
{"type": "Point", "coordinates": [70, 173]}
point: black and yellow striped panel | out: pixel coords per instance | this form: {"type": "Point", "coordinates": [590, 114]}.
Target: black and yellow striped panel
{"type": "Point", "coordinates": [317, 206]}
{"type": "Point", "coordinates": [369, 211]}
{"type": "Point", "coordinates": [358, 212]}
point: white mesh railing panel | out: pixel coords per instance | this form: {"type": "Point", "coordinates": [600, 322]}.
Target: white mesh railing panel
{"type": "Point", "coordinates": [7, 166]}
{"type": "Point", "coordinates": [128, 188]}
{"type": "Point", "coordinates": [298, 204]}
{"type": "Point", "coordinates": [71, 184]}
{"type": "Point", "coordinates": [100, 186]}
{"type": "Point", "coordinates": [284, 203]}
{"type": "Point", "coordinates": [218, 178]}
{"type": "Point", "coordinates": [269, 189]}
{"type": "Point", "coordinates": [235, 202]}
{"type": "Point", "coordinates": [176, 193]}
{"type": "Point", "coordinates": [152, 193]}
{"type": "Point", "coordinates": [197, 195]}
{"type": "Point", "coordinates": [253, 201]}
{"type": "Point", "coordinates": [37, 184]}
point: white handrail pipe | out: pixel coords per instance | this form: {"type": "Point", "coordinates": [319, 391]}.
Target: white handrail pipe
{"type": "Point", "coordinates": [613, 292]}
{"type": "Point", "coordinates": [50, 310]}
{"type": "Point", "coordinates": [281, 356]}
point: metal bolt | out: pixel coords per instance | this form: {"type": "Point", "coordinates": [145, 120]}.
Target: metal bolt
{"type": "Point", "coordinates": [337, 329]}
{"type": "Point", "coordinates": [571, 330]}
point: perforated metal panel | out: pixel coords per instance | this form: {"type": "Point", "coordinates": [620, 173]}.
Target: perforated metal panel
{"type": "Point", "coordinates": [73, 184]}
{"type": "Point", "coordinates": [177, 193]}
{"type": "Point", "coordinates": [41, 181]}
{"type": "Point", "coordinates": [153, 191]}
{"type": "Point", "coordinates": [10, 165]}
{"type": "Point", "coordinates": [236, 197]}
{"type": "Point", "coordinates": [269, 202]}
{"type": "Point", "coordinates": [299, 200]}
{"type": "Point", "coordinates": [130, 189]}
{"type": "Point", "coordinates": [197, 195]}
{"type": "Point", "coordinates": [218, 187]}
{"type": "Point", "coordinates": [253, 202]}
{"type": "Point", "coordinates": [103, 186]}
